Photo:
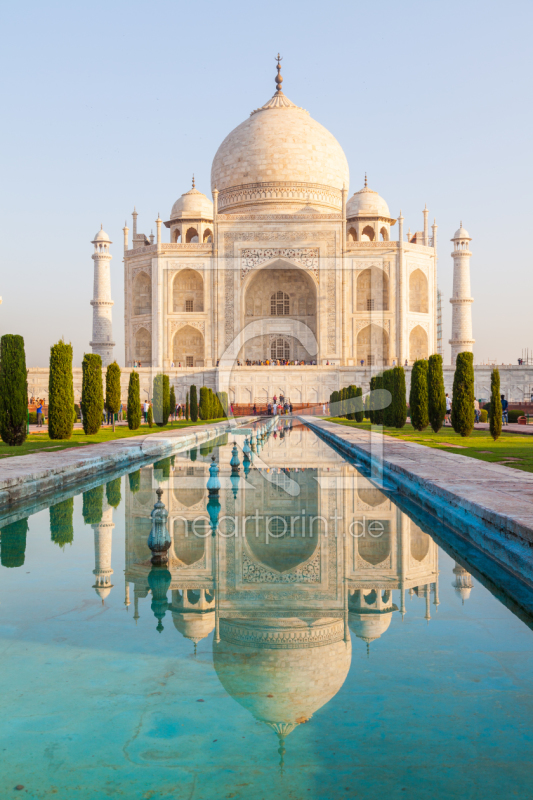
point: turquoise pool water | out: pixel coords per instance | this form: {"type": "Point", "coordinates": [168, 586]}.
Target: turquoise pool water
{"type": "Point", "coordinates": [321, 645]}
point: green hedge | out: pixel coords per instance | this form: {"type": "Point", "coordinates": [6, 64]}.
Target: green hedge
{"type": "Point", "coordinates": [13, 391]}
{"type": "Point", "coordinates": [61, 392]}
{"type": "Point", "coordinates": [495, 415]}
{"type": "Point", "coordinates": [463, 414]}
{"type": "Point", "coordinates": [418, 396]}
{"type": "Point", "coordinates": [161, 400]}
{"type": "Point", "coordinates": [193, 404]}
{"type": "Point", "coordinates": [436, 393]}
{"type": "Point", "coordinates": [134, 402]}
{"type": "Point", "coordinates": [92, 393]}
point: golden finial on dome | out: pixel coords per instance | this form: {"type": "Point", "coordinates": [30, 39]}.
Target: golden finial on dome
{"type": "Point", "coordinates": [193, 180]}
{"type": "Point", "coordinates": [366, 182]}
{"type": "Point", "coordinates": [279, 79]}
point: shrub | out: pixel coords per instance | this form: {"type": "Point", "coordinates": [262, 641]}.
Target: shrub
{"type": "Point", "coordinates": [399, 397]}
{"type": "Point", "coordinates": [92, 393]}
{"type": "Point", "coordinates": [203, 410]}
{"type": "Point", "coordinates": [359, 414]}
{"type": "Point", "coordinates": [187, 411]}
{"type": "Point", "coordinates": [134, 402]}
{"type": "Point", "coordinates": [436, 393]}
{"type": "Point", "coordinates": [223, 398]}
{"type": "Point", "coordinates": [418, 396]}
{"type": "Point", "coordinates": [495, 417]}
{"type": "Point", "coordinates": [150, 417]}
{"type": "Point", "coordinates": [172, 402]}
{"type": "Point", "coordinates": [93, 501]}
{"type": "Point", "coordinates": [388, 385]}
{"type": "Point", "coordinates": [351, 392]}
{"type": "Point", "coordinates": [378, 413]}
{"type": "Point", "coordinates": [61, 392]}
{"type": "Point", "coordinates": [33, 418]}
{"type": "Point", "coordinates": [77, 411]}
{"type": "Point", "coordinates": [193, 454]}
{"type": "Point", "coordinates": [13, 391]}
{"type": "Point", "coordinates": [134, 479]}
{"type": "Point", "coordinates": [161, 401]}
{"type": "Point", "coordinates": [335, 404]}
{"type": "Point", "coordinates": [370, 400]}
{"type": "Point", "coordinates": [513, 414]}
{"type": "Point", "coordinates": [463, 414]}
{"type": "Point", "coordinates": [194, 404]}
{"type": "Point", "coordinates": [112, 389]}
{"type": "Point", "coordinates": [113, 493]}
{"type": "Point", "coordinates": [13, 543]}
{"type": "Point", "coordinates": [484, 415]}
{"type": "Point", "coordinates": [61, 524]}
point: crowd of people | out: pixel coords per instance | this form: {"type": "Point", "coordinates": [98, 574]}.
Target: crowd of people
{"type": "Point", "coordinates": [477, 410]}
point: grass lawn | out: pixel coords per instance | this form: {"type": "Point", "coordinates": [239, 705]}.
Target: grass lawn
{"type": "Point", "coordinates": [39, 442]}
{"type": "Point", "coordinates": [478, 445]}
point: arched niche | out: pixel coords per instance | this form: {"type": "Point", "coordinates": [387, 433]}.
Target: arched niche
{"type": "Point", "coordinates": [176, 236]}
{"type": "Point", "coordinates": [420, 542]}
{"type": "Point", "coordinates": [188, 292]}
{"type": "Point", "coordinates": [384, 234]}
{"type": "Point", "coordinates": [188, 347]}
{"type": "Point", "coordinates": [352, 235]}
{"type": "Point", "coordinates": [143, 347]}
{"type": "Point", "coordinates": [188, 546]}
{"type": "Point", "coordinates": [279, 290]}
{"type": "Point", "coordinates": [418, 292]}
{"type": "Point", "coordinates": [375, 549]}
{"type": "Point", "coordinates": [371, 497]}
{"type": "Point", "coordinates": [142, 294]}
{"type": "Point", "coordinates": [191, 237]}
{"type": "Point", "coordinates": [208, 235]}
{"type": "Point", "coordinates": [368, 234]}
{"type": "Point", "coordinates": [373, 346]}
{"type": "Point", "coordinates": [373, 290]}
{"type": "Point", "coordinates": [418, 343]}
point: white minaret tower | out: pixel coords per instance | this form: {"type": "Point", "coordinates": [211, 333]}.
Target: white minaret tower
{"type": "Point", "coordinates": [102, 342]}
{"type": "Point", "coordinates": [103, 539]}
{"type": "Point", "coordinates": [461, 301]}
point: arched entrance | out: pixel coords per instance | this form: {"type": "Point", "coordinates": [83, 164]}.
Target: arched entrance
{"type": "Point", "coordinates": [281, 292]}
{"type": "Point", "coordinates": [418, 343]}
{"type": "Point", "coordinates": [373, 346]}
{"type": "Point", "coordinates": [188, 347]}
{"type": "Point", "coordinates": [143, 347]}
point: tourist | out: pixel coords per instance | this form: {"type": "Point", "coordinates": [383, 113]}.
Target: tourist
{"type": "Point", "coordinates": [275, 407]}
{"type": "Point", "coordinates": [323, 409]}
{"type": "Point", "coordinates": [269, 409]}
{"type": "Point", "coordinates": [362, 362]}
{"type": "Point", "coordinates": [145, 410]}
{"type": "Point", "coordinates": [275, 400]}
{"type": "Point", "coordinates": [505, 411]}
{"type": "Point", "coordinates": [448, 417]}
{"type": "Point", "coordinates": [477, 411]}
{"type": "Point", "coordinates": [39, 414]}
{"type": "Point", "coordinates": [254, 411]}
{"type": "Point", "coordinates": [290, 407]}
{"type": "Point", "coordinates": [406, 363]}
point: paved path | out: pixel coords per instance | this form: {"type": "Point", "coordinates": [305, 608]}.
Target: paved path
{"type": "Point", "coordinates": [33, 475]}
{"type": "Point", "coordinates": [482, 501]}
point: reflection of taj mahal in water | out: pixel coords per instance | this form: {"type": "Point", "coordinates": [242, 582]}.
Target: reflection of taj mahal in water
{"type": "Point", "coordinates": [281, 609]}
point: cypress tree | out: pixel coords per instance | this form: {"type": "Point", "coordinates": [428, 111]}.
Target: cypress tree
{"type": "Point", "coordinates": [60, 392]}
{"type": "Point", "coordinates": [187, 413]}
{"type": "Point", "coordinates": [162, 470]}
{"type": "Point", "coordinates": [388, 384]}
{"type": "Point", "coordinates": [204, 403]}
{"type": "Point", "coordinates": [193, 454]}
{"type": "Point", "coordinates": [359, 414]}
{"type": "Point", "coordinates": [371, 400]}
{"type": "Point", "coordinates": [134, 479]}
{"type": "Point", "coordinates": [13, 391]}
{"type": "Point", "coordinates": [495, 411]}
{"type": "Point", "coordinates": [350, 396]}
{"type": "Point", "coordinates": [335, 404]}
{"type": "Point", "coordinates": [194, 404]}
{"type": "Point", "coordinates": [172, 403]}
{"type": "Point", "coordinates": [112, 389]}
{"type": "Point", "coordinates": [13, 543]}
{"type": "Point", "coordinates": [93, 501]}
{"type": "Point", "coordinates": [92, 393]}
{"type": "Point", "coordinates": [463, 414]}
{"type": "Point", "coordinates": [113, 493]}
{"type": "Point", "coordinates": [436, 393]}
{"type": "Point", "coordinates": [223, 397]}
{"type": "Point", "coordinates": [134, 402]}
{"type": "Point", "coordinates": [399, 414]}
{"type": "Point", "coordinates": [378, 413]}
{"type": "Point", "coordinates": [161, 399]}
{"type": "Point", "coordinates": [150, 417]}
{"type": "Point", "coordinates": [418, 396]}
{"type": "Point", "coordinates": [61, 524]}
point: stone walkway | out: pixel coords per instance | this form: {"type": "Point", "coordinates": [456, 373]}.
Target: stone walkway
{"type": "Point", "coordinates": [33, 475]}
{"type": "Point", "coordinates": [479, 499]}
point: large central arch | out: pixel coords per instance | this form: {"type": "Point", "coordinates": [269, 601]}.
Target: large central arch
{"type": "Point", "coordinates": [279, 291]}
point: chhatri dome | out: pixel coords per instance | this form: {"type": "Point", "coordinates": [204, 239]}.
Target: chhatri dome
{"type": "Point", "coordinates": [367, 202]}
{"type": "Point", "coordinates": [101, 236]}
{"type": "Point", "coordinates": [280, 156]}
{"type": "Point", "coordinates": [192, 205]}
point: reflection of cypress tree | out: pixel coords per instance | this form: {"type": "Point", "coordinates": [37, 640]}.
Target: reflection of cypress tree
{"type": "Point", "coordinates": [112, 492]}
{"type": "Point", "coordinates": [162, 470]}
{"type": "Point", "coordinates": [135, 481]}
{"type": "Point", "coordinates": [193, 454]}
{"type": "Point", "coordinates": [61, 526]}
{"type": "Point", "coordinates": [92, 505]}
{"type": "Point", "coordinates": [13, 543]}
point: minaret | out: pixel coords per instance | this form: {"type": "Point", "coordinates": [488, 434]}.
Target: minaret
{"type": "Point", "coordinates": [463, 582]}
{"type": "Point", "coordinates": [102, 342]}
{"type": "Point", "coordinates": [461, 301]}
{"type": "Point", "coordinates": [103, 539]}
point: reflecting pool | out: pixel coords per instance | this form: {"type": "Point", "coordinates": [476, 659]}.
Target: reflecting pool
{"type": "Point", "coordinates": [307, 639]}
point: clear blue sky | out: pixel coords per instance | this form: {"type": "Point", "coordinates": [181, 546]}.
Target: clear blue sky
{"type": "Point", "coordinates": [111, 105]}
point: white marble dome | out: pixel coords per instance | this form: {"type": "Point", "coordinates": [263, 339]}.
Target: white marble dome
{"type": "Point", "coordinates": [192, 205]}
{"type": "Point", "coordinates": [280, 155]}
{"type": "Point", "coordinates": [366, 203]}
{"type": "Point", "coordinates": [102, 236]}
{"type": "Point", "coordinates": [461, 233]}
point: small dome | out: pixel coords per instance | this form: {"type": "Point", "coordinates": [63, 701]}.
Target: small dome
{"type": "Point", "coordinates": [367, 203]}
{"type": "Point", "coordinates": [101, 236]}
{"type": "Point", "coordinates": [369, 626]}
{"type": "Point", "coordinates": [192, 205]}
{"type": "Point", "coordinates": [461, 233]}
{"type": "Point", "coordinates": [194, 625]}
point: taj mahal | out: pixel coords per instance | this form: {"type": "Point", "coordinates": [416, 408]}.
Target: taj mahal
{"type": "Point", "coordinates": [283, 268]}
